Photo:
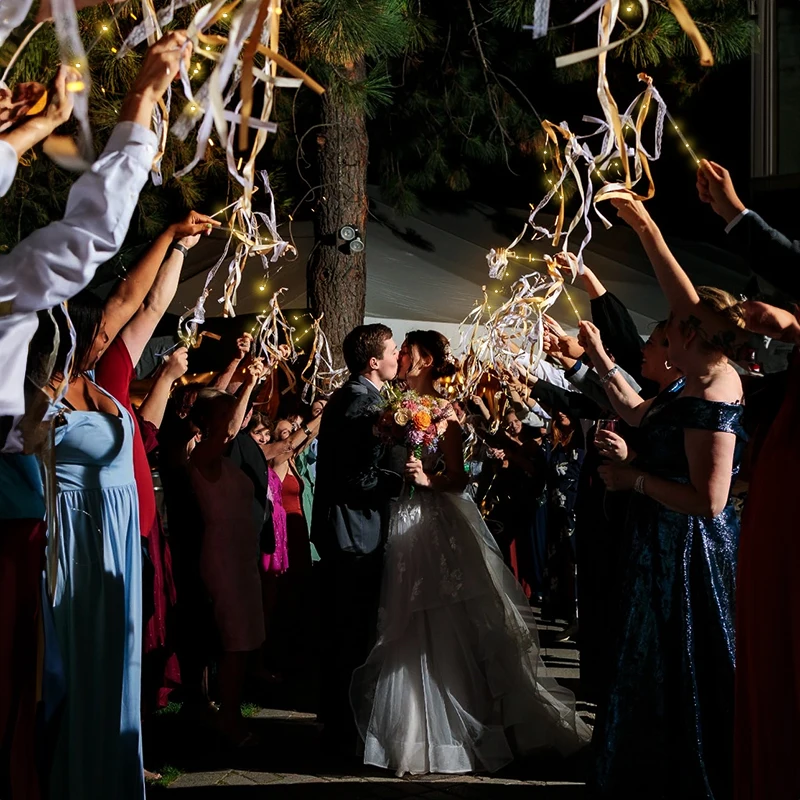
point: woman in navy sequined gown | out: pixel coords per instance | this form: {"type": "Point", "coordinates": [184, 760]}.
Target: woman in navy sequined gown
{"type": "Point", "coordinates": [667, 728]}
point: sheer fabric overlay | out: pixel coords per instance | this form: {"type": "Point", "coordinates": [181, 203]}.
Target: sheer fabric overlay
{"type": "Point", "coordinates": [455, 682]}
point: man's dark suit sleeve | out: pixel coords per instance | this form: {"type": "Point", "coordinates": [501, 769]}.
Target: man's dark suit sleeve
{"type": "Point", "coordinates": [572, 403]}
{"type": "Point", "coordinates": [362, 475]}
{"type": "Point", "coordinates": [774, 257]}
{"type": "Point", "coordinates": [621, 338]}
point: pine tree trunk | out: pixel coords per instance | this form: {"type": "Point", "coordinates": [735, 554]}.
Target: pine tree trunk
{"type": "Point", "coordinates": [336, 279]}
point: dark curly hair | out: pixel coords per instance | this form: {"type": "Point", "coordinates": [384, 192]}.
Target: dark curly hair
{"type": "Point", "coordinates": [363, 344]}
{"type": "Point", "coordinates": [437, 346]}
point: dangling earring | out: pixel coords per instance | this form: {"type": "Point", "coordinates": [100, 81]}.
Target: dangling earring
{"type": "Point", "coordinates": [667, 365]}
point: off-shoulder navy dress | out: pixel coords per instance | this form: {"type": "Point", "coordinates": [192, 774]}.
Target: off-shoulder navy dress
{"type": "Point", "coordinates": [667, 731]}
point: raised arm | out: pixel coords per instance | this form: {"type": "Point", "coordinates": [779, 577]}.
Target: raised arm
{"type": "Point", "coordinates": [675, 283]}
{"type": "Point", "coordinates": [255, 371]}
{"type": "Point", "coordinates": [574, 404]}
{"type": "Point", "coordinates": [54, 263]}
{"type": "Point", "coordinates": [16, 142]}
{"type": "Point", "coordinates": [223, 379]}
{"type": "Point", "coordinates": [304, 434]}
{"type": "Point", "coordinates": [777, 258]}
{"type": "Point", "coordinates": [591, 283]}
{"type": "Point", "coordinates": [128, 295]}
{"type": "Point", "coordinates": [625, 401]}
{"type": "Point", "coordinates": [160, 67]}
{"type": "Point", "coordinates": [137, 333]}
{"type": "Point", "coordinates": [153, 406]}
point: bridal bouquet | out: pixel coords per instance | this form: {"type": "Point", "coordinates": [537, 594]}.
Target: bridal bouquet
{"type": "Point", "coordinates": [414, 420]}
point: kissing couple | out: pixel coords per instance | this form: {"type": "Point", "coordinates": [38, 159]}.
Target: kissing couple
{"type": "Point", "coordinates": [431, 650]}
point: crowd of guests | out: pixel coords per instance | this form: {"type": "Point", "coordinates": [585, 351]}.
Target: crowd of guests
{"type": "Point", "coordinates": [608, 473]}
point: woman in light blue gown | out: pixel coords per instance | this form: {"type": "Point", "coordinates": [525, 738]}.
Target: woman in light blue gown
{"type": "Point", "coordinates": [98, 595]}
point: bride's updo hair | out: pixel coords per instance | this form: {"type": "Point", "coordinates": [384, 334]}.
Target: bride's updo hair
{"type": "Point", "coordinates": [437, 346]}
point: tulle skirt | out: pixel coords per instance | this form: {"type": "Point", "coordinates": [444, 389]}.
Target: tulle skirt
{"type": "Point", "coordinates": [455, 682]}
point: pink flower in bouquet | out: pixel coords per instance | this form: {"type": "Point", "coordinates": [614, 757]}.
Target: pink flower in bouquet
{"type": "Point", "coordinates": [415, 422]}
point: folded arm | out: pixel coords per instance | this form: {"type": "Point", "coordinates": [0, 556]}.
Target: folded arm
{"type": "Point", "coordinates": [710, 455]}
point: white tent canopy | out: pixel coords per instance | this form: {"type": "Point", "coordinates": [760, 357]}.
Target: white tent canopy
{"type": "Point", "coordinates": [427, 270]}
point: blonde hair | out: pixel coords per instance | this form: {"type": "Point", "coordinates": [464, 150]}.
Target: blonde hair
{"type": "Point", "coordinates": [723, 334]}
{"type": "Point", "coordinates": [724, 304]}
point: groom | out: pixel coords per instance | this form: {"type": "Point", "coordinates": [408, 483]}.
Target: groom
{"type": "Point", "coordinates": [350, 521]}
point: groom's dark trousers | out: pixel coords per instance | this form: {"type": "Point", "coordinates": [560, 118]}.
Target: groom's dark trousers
{"type": "Point", "coordinates": [350, 521]}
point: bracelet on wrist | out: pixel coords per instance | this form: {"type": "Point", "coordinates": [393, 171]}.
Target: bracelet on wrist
{"type": "Point", "coordinates": [180, 248]}
{"type": "Point", "coordinates": [307, 430]}
{"type": "Point", "coordinates": [638, 484]}
{"type": "Point", "coordinates": [609, 375]}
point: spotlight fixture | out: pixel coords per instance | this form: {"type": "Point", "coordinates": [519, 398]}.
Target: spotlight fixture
{"type": "Point", "coordinates": [353, 243]}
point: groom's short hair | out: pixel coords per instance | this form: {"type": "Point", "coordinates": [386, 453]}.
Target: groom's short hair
{"type": "Point", "coordinates": [362, 344]}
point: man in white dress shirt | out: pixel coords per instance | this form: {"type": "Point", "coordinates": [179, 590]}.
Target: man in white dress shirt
{"type": "Point", "coordinates": [56, 262]}
{"type": "Point", "coordinates": [50, 266]}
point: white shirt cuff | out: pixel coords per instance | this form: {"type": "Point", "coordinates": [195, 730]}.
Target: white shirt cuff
{"type": "Point", "coordinates": [8, 166]}
{"type": "Point", "coordinates": [736, 220]}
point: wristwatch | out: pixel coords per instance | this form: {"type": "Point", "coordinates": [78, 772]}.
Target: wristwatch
{"type": "Point", "coordinates": [180, 248]}
{"type": "Point", "coordinates": [306, 430]}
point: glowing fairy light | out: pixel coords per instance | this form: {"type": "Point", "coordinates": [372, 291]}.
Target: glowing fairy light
{"type": "Point", "coordinates": [683, 138]}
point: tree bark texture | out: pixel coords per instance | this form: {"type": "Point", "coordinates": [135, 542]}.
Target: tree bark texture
{"type": "Point", "coordinates": [337, 280]}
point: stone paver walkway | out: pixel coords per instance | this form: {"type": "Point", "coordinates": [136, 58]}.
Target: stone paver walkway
{"type": "Point", "coordinates": [321, 781]}
{"type": "Point", "coordinates": [287, 764]}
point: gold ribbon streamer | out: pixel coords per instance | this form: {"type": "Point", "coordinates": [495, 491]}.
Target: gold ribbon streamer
{"type": "Point", "coordinates": [690, 28]}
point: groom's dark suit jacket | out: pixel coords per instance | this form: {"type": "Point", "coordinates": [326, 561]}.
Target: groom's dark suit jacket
{"type": "Point", "coordinates": [352, 492]}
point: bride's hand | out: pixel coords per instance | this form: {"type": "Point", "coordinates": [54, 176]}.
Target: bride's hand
{"type": "Point", "coordinates": [415, 474]}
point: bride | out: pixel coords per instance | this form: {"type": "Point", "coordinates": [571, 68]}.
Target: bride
{"type": "Point", "coordinates": [455, 682]}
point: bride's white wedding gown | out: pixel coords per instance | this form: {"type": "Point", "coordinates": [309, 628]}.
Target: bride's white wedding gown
{"type": "Point", "coordinates": [455, 682]}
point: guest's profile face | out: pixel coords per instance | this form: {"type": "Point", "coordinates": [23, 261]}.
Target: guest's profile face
{"type": "Point", "coordinates": [99, 345]}
{"type": "Point", "coordinates": [655, 354]}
